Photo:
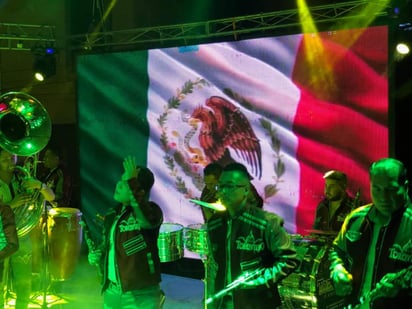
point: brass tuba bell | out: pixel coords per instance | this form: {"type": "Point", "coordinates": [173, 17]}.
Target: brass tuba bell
{"type": "Point", "coordinates": [25, 129]}
{"type": "Point", "coordinates": [25, 125]}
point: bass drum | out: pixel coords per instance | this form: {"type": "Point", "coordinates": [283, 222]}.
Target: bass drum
{"type": "Point", "coordinates": [310, 286]}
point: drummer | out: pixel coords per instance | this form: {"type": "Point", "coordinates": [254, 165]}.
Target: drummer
{"type": "Point", "coordinates": [211, 174]}
{"type": "Point", "coordinates": [337, 203]}
{"type": "Point", "coordinates": [55, 174]}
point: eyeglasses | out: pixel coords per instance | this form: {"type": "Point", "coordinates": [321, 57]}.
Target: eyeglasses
{"type": "Point", "coordinates": [229, 187]}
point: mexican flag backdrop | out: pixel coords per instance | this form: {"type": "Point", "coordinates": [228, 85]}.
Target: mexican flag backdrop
{"type": "Point", "coordinates": [289, 108]}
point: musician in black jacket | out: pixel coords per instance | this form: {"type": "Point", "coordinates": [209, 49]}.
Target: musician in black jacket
{"type": "Point", "coordinates": [21, 192]}
{"type": "Point", "coordinates": [129, 257]}
{"type": "Point", "coordinates": [211, 174]}
{"type": "Point", "coordinates": [9, 242]}
{"type": "Point", "coordinates": [371, 257]}
{"type": "Point", "coordinates": [247, 243]}
{"type": "Point", "coordinates": [55, 175]}
{"type": "Point", "coordinates": [337, 203]}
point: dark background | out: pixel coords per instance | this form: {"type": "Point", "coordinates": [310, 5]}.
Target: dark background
{"type": "Point", "coordinates": [73, 17]}
{"type": "Point", "coordinates": [84, 16]}
{"type": "Point", "coordinates": [162, 12]}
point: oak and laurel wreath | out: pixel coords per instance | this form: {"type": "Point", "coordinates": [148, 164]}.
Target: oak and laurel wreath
{"type": "Point", "coordinates": [279, 167]}
{"type": "Point", "coordinates": [171, 160]}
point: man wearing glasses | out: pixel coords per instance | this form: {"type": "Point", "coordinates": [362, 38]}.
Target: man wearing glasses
{"type": "Point", "coordinates": [250, 249]}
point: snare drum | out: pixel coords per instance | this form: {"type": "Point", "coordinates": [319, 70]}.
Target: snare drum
{"type": "Point", "coordinates": [195, 236]}
{"type": "Point", "coordinates": [310, 286]}
{"type": "Point", "coordinates": [170, 242]}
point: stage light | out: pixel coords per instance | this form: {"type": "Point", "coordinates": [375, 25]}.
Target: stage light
{"type": "Point", "coordinates": [405, 26]}
{"type": "Point", "coordinates": [403, 39]}
{"type": "Point", "coordinates": [44, 65]}
{"type": "Point", "coordinates": [403, 48]}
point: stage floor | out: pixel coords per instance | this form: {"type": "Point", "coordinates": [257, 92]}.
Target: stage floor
{"type": "Point", "coordinates": [82, 291]}
{"type": "Point", "coordinates": [183, 285]}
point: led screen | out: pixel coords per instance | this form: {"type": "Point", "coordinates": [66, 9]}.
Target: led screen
{"type": "Point", "coordinates": [310, 103]}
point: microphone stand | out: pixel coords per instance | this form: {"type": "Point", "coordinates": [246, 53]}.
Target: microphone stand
{"type": "Point", "coordinates": [44, 271]}
{"type": "Point", "coordinates": [44, 260]}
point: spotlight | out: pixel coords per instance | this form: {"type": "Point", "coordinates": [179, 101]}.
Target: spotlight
{"type": "Point", "coordinates": [44, 65]}
{"type": "Point", "coordinates": [405, 26]}
{"type": "Point", "coordinates": [403, 48]}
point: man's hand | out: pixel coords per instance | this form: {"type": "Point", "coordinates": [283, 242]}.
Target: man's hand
{"type": "Point", "coordinates": [21, 200]}
{"type": "Point", "coordinates": [388, 286]}
{"type": "Point", "coordinates": [94, 257]}
{"type": "Point", "coordinates": [342, 280]}
{"type": "Point", "coordinates": [129, 165]}
{"type": "Point", "coordinates": [32, 184]}
{"type": "Point", "coordinates": [261, 279]}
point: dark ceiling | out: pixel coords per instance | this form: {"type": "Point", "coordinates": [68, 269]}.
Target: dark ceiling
{"type": "Point", "coordinates": [167, 12]}
{"type": "Point", "coordinates": [171, 12]}
{"type": "Point", "coordinates": [81, 16]}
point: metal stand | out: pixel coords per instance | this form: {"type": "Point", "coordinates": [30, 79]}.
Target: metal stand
{"type": "Point", "coordinates": [45, 276]}
{"type": "Point", "coordinates": [44, 269]}
{"type": "Point", "coordinates": [45, 272]}
{"type": "Point", "coordinates": [205, 279]}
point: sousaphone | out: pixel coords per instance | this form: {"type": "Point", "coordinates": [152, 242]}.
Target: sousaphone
{"type": "Point", "coordinates": [25, 129]}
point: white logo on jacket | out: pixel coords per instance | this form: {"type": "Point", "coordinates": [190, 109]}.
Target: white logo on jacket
{"type": "Point", "coordinates": [131, 224]}
{"type": "Point", "coordinates": [249, 243]}
{"type": "Point", "coordinates": [401, 253]}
